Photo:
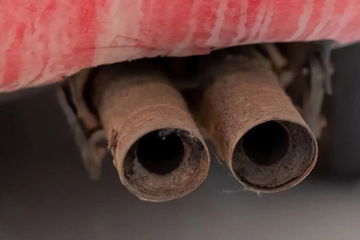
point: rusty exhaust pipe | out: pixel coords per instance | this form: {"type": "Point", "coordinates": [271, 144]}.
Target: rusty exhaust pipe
{"type": "Point", "coordinates": [157, 148]}
{"type": "Point", "coordinates": [254, 126]}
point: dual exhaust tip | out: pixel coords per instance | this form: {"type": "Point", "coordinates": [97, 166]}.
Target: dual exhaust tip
{"type": "Point", "coordinates": [158, 145]}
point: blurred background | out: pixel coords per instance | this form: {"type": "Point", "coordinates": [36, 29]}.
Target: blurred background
{"type": "Point", "coordinates": [45, 192]}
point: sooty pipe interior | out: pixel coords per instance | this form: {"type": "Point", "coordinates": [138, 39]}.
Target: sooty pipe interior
{"type": "Point", "coordinates": [266, 144]}
{"type": "Point", "coordinates": [165, 164]}
{"type": "Point", "coordinates": [160, 153]}
{"type": "Point", "coordinates": [274, 154]}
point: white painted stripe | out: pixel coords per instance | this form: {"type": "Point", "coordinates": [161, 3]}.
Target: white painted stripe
{"type": "Point", "coordinates": [220, 17]}
{"type": "Point", "coordinates": [304, 20]}
{"type": "Point", "coordinates": [343, 20]}
{"type": "Point", "coordinates": [270, 10]}
{"type": "Point", "coordinates": [259, 20]}
{"type": "Point", "coordinates": [114, 22]}
{"type": "Point", "coordinates": [192, 28]}
{"type": "Point", "coordinates": [326, 16]}
{"type": "Point", "coordinates": [241, 29]}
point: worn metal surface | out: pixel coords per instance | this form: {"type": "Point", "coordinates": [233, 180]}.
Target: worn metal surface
{"type": "Point", "coordinates": [244, 95]}
{"type": "Point", "coordinates": [309, 66]}
{"type": "Point", "coordinates": [132, 101]}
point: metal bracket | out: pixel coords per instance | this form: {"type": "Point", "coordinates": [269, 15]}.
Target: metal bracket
{"type": "Point", "coordinates": [87, 129]}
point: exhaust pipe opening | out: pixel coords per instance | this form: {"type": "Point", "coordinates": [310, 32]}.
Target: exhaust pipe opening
{"type": "Point", "coordinates": [160, 152]}
{"type": "Point", "coordinates": [255, 128]}
{"type": "Point", "coordinates": [165, 164]}
{"type": "Point", "coordinates": [273, 155]}
{"type": "Point", "coordinates": [265, 144]}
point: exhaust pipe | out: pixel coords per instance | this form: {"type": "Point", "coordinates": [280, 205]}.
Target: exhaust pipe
{"type": "Point", "coordinates": [157, 148]}
{"type": "Point", "coordinates": [254, 126]}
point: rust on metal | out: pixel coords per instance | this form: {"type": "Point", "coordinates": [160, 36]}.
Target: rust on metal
{"type": "Point", "coordinates": [158, 150]}
{"type": "Point", "coordinates": [254, 126]}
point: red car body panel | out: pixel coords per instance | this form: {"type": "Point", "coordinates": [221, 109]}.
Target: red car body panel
{"type": "Point", "coordinates": [42, 41]}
